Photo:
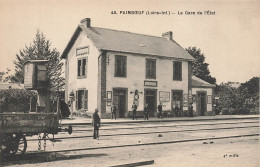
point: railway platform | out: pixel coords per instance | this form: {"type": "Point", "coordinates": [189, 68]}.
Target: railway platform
{"type": "Point", "coordinates": [87, 121]}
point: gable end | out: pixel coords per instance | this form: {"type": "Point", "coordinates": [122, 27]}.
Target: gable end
{"type": "Point", "coordinates": [71, 42]}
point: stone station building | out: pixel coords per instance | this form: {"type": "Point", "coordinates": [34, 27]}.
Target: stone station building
{"type": "Point", "coordinates": [106, 67]}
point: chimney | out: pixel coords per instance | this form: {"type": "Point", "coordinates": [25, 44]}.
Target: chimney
{"type": "Point", "coordinates": [86, 22]}
{"type": "Point", "coordinates": [167, 35]}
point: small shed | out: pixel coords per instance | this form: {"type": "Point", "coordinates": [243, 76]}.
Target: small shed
{"type": "Point", "coordinates": [35, 74]}
{"type": "Point", "coordinates": [202, 97]}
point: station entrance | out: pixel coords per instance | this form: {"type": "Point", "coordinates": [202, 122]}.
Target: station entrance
{"type": "Point", "coordinates": [177, 101]}
{"type": "Point", "coordinates": [151, 99]}
{"type": "Point", "coordinates": [120, 100]}
{"type": "Point", "coordinates": [201, 103]}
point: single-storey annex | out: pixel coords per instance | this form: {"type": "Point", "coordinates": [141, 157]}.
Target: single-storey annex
{"type": "Point", "coordinates": [107, 67]}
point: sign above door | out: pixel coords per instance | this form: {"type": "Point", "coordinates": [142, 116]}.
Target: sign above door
{"type": "Point", "coordinates": [150, 83]}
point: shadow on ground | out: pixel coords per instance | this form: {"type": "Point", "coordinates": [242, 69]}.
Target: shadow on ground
{"type": "Point", "coordinates": [41, 158]}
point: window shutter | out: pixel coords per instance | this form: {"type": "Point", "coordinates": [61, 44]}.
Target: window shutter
{"type": "Point", "coordinates": [147, 68]}
{"type": "Point", "coordinates": [121, 69]}
{"type": "Point", "coordinates": [86, 99]}
{"type": "Point", "coordinates": [77, 98]}
{"type": "Point", "coordinates": [124, 66]}
{"type": "Point", "coordinates": [120, 66]}
{"type": "Point", "coordinates": [174, 70]}
{"type": "Point", "coordinates": [180, 71]}
{"type": "Point", "coordinates": [116, 66]}
{"type": "Point", "coordinates": [154, 69]}
{"type": "Point", "coordinates": [83, 67]}
{"type": "Point", "coordinates": [86, 67]}
{"type": "Point", "coordinates": [79, 67]}
{"type": "Point", "coordinates": [177, 70]}
{"type": "Point", "coordinates": [150, 68]}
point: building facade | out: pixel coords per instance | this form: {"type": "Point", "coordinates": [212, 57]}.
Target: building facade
{"type": "Point", "coordinates": [108, 67]}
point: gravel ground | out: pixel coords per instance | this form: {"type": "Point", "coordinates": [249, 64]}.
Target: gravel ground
{"type": "Point", "coordinates": [238, 152]}
{"type": "Point", "coordinates": [235, 152]}
{"type": "Point", "coordinates": [88, 142]}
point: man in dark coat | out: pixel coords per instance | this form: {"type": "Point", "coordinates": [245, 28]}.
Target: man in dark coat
{"type": "Point", "coordinates": [113, 111]}
{"type": "Point", "coordinates": [160, 111]}
{"type": "Point", "coordinates": [64, 107]}
{"type": "Point", "coordinates": [96, 124]}
{"type": "Point", "coordinates": [134, 108]}
{"type": "Point", "coordinates": [176, 110]}
{"type": "Point", "coordinates": [191, 110]}
{"type": "Point", "coordinates": [146, 112]}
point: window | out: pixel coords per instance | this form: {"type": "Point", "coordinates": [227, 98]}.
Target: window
{"type": "Point", "coordinates": [82, 68]}
{"type": "Point", "coordinates": [177, 71]}
{"type": "Point", "coordinates": [150, 69]}
{"type": "Point", "coordinates": [120, 66]}
{"type": "Point", "coordinates": [82, 99]}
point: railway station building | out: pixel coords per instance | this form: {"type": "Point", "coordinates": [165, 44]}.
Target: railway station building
{"type": "Point", "coordinates": [105, 67]}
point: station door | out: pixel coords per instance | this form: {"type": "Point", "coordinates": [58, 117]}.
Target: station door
{"type": "Point", "coordinates": [120, 101]}
{"type": "Point", "coordinates": [177, 96]}
{"type": "Point", "coordinates": [151, 100]}
{"type": "Point", "coordinates": [201, 103]}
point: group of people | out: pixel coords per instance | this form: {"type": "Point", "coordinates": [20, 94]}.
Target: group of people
{"type": "Point", "coordinates": [134, 108]}
{"type": "Point", "coordinates": [96, 119]}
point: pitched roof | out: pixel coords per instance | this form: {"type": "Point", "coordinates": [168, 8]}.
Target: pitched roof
{"type": "Point", "coordinates": [197, 82]}
{"type": "Point", "coordinates": [122, 41]}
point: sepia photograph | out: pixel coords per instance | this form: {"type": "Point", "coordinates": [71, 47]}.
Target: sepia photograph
{"type": "Point", "coordinates": [125, 83]}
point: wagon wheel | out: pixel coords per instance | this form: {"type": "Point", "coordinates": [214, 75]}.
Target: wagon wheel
{"type": "Point", "coordinates": [22, 146]}
{"type": "Point", "coordinates": [13, 144]}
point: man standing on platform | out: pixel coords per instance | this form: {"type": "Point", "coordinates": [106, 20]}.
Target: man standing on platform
{"type": "Point", "coordinates": [113, 111]}
{"type": "Point", "coordinates": [134, 108]}
{"type": "Point", "coordinates": [160, 110]}
{"type": "Point", "coordinates": [191, 110]}
{"type": "Point", "coordinates": [146, 112]}
{"type": "Point", "coordinates": [176, 111]}
{"type": "Point", "coordinates": [96, 124]}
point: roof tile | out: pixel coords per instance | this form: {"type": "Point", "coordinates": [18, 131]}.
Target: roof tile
{"type": "Point", "coordinates": [123, 41]}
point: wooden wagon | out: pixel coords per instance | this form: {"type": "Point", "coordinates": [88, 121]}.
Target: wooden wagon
{"type": "Point", "coordinates": [15, 126]}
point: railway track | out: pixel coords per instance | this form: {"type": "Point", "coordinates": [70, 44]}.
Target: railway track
{"type": "Point", "coordinates": [159, 126]}
{"type": "Point", "coordinates": [131, 122]}
{"type": "Point", "coordinates": [145, 144]}
{"type": "Point", "coordinates": [143, 133]}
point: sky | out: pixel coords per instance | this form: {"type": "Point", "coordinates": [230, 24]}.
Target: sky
{"type": "Point", "coordinates": [229, 37]}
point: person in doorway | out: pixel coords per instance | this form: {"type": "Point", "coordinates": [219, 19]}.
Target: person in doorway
{"type": "Point", "coordinates": [191, 110]}
{"type": "Point", "coordinates": [113, 111]}
{"type": "Point", "coordinates": [96, 124]}
{"type": "Point", "coordinates": [160, 110]}
{"type": "Point", "coordinates": [176, 110]}
{"type": "Point", "coordinates": [146, 112]}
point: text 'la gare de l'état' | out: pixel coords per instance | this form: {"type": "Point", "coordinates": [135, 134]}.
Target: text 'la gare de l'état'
{"type": "Point", "coordinates": [132, 12]}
